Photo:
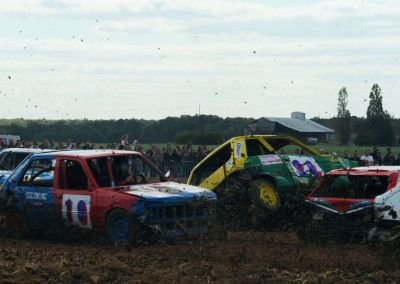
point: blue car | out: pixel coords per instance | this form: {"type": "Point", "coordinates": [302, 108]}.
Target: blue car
{"type": "Point", "coordinates": [118, 193]}
{"type": "Point", "coordinates": [10, 158]}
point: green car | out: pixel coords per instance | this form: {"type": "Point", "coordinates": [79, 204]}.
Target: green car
{"type": "Point", "coordinates": [271, 170]}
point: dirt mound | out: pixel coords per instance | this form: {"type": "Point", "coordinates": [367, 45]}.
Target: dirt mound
{"type": "Point", "coordinates": [240, 257]}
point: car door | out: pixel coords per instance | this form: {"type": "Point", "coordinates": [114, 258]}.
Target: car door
{"type": "Point", "coordinates": [73, 195]}
{"type": "Point", "coordinates": [214, 168]}
{"type": "Point", "coordinates": [303, 163]}
{"type": "Point", "coordinates": [36, 187]}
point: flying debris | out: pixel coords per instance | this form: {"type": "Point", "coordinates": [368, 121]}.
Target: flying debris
{"type": "Point", "coordinates": [9, 77]}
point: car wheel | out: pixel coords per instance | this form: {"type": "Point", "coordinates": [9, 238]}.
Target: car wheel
{"type": "Point", "coordinates": [121, 228]}
{"type": "Point", "coordinates": [265, 194]}
{"type": "Point", "coordinates": [14, 222]}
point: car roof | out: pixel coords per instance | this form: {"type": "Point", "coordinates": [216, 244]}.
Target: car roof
{"type": "Point", "coordinates": [88, 153]}
{"type": "Point", "coordinates": [25, 150]}
{"type": "Point", "coordinates": [383, 170]}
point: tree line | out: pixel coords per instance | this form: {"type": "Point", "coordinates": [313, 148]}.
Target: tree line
{"type": "Point", "coordinates": [203, 129]}
{"type": "Point", "coordinates": [377, 128]}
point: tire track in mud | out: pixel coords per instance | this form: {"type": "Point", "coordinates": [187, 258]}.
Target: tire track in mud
{"type": "Point", "coordinates": [250, 257]}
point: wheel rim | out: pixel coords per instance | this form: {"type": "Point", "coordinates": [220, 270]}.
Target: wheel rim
{"type": "Point", "coordinates": [267, 194]}
{"type": "Point", "coordinates": [120, 229]}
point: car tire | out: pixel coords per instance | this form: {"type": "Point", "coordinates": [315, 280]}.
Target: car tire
{"type": "Point", "coordinates": [265, 195]}
{"type": "Point", "coordinates": [15, 223]}
{"type": "Point", "coordinates": [121, 228]}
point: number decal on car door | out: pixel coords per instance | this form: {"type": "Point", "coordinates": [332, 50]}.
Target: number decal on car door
{"type": "Point", "coordinates": [76, 210]}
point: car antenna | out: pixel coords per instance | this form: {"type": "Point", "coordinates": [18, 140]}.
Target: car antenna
{"type": "Point", "coordinates": [97, 132]}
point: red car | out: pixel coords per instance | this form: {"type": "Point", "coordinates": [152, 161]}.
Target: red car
{"type": "Point", "coordinates": [354, 204]}
{"type": "Point", "coordinates": [104, 190]}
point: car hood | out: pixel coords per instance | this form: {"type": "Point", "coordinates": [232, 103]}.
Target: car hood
{"type": "Point", "coordinates": [170, 192]}
{"type": "Point", "coordinates": [341, 205]}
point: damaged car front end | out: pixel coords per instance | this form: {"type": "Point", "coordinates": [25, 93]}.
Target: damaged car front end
{"type": "Point", "coordinates": [174, 210]}
{"type": "Point", "coordinates": [353, 205]}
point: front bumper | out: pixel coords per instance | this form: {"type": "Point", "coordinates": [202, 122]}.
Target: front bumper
{"type": "Point", "coordinates": [173, 220]}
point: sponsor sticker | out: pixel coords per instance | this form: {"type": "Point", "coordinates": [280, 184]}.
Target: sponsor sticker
{"type": "Point", "coordinates": [229, 165]}
{"type": "Point", "coordinates": [305, 166]}
{"type": "Point", "coordinates": [270, 159]}
{"type": "Point", "coordinates": [35, 195]}
{"type": "Point", "coordinates": [238, 150]}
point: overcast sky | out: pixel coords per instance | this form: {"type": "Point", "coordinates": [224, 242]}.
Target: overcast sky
{"type": "Point", "coordinates": [157, 58]}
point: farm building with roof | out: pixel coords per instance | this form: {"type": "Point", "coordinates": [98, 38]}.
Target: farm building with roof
{"type": "Point", "coordinates": [297, 125]}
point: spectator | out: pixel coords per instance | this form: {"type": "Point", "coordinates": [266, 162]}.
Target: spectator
{"type": "Point", "coordinates": [374, 152]}
{"type": "Point", "coordinates": [125, 141]}
{"type": "Point", "coordinates": [139, 149]}
{"type": "Point", "coordinates": [397, 161]}
{"type": "Point", "coordinates": [355, 157]}
{"type": "Point", "coordinates": [150, 153]}
{"type": "Point", "coordinates": [378, 158]}
{"type": "Point", "coordinates": [366, 159]}
{"type": "Point", "coordinates": [389, 158]}
{"type": "Point", "coordinates": [158, 157]}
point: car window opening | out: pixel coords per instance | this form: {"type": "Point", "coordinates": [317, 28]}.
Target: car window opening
{"type": "Point", "coordinates": [72, 175]}
{"type": "Point", "coordinates": [282, 146]}
{"type": "Point", "coordinates": [40, 173]}
{"type": "Point", "coordinates": [255, 148]}
{"type": "Point", "coordinates": [212, 164]}
{"type": "Point", "coordinates": [352, 187]}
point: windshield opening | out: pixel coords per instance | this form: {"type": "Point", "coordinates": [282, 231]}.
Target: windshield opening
{"type": "Point", "coordinates": [283, 146]}
{"type": "Point", "coordinates": [9, 161]}
{"type": "Point", "coordinates": [352, 187]}
{"type": "Point", "coordinates": [129, 170]}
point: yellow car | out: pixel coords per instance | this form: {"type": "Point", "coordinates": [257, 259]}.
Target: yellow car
{"type": "Point", "coordinates": [271, 169]}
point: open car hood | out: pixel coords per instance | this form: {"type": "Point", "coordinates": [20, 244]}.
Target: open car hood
{"type": "Point", "coordinates": [170, 192]}
{"type": "Point", "coordinates": [341, 205]}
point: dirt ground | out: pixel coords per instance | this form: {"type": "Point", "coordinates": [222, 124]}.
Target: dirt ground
{"type": "Point", "coordinates": [239, 257]}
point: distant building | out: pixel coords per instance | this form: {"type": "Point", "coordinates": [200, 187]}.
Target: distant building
{"type": "Point", "coordinates": [297, 125]}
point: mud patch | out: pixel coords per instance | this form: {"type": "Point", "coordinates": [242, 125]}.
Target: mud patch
{"type": "Point", "coordinates": [250, 257]}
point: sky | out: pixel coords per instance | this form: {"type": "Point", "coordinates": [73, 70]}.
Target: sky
{"type": "Point", "coordinates": [151, 59]}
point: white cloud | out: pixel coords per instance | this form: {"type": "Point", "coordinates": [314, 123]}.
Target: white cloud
{"type": "Point", "coordinates": [221, 10]}
{"type": "Point", "coordinates": [156, 25]}
{"type": "Point", "coordinates": [26, 6]}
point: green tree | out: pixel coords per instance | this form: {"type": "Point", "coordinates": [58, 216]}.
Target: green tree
{"type": "Point", "coordinates": [343, 119]}
{"type": "Point", "coordinates": [377, 129]}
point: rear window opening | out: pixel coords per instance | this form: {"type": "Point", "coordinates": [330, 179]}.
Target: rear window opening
{"type": "Point", "coordinates": [352, 187]}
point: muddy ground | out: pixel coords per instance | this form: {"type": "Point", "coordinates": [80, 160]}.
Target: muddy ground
{"type": "Point", "coordinates": [240, 257]}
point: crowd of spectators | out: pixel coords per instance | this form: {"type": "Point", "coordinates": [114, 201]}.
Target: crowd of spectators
{"type": "Point", "coordinates": [181, 159]}
{"type": "Point", "coordinates": [372, 158]}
